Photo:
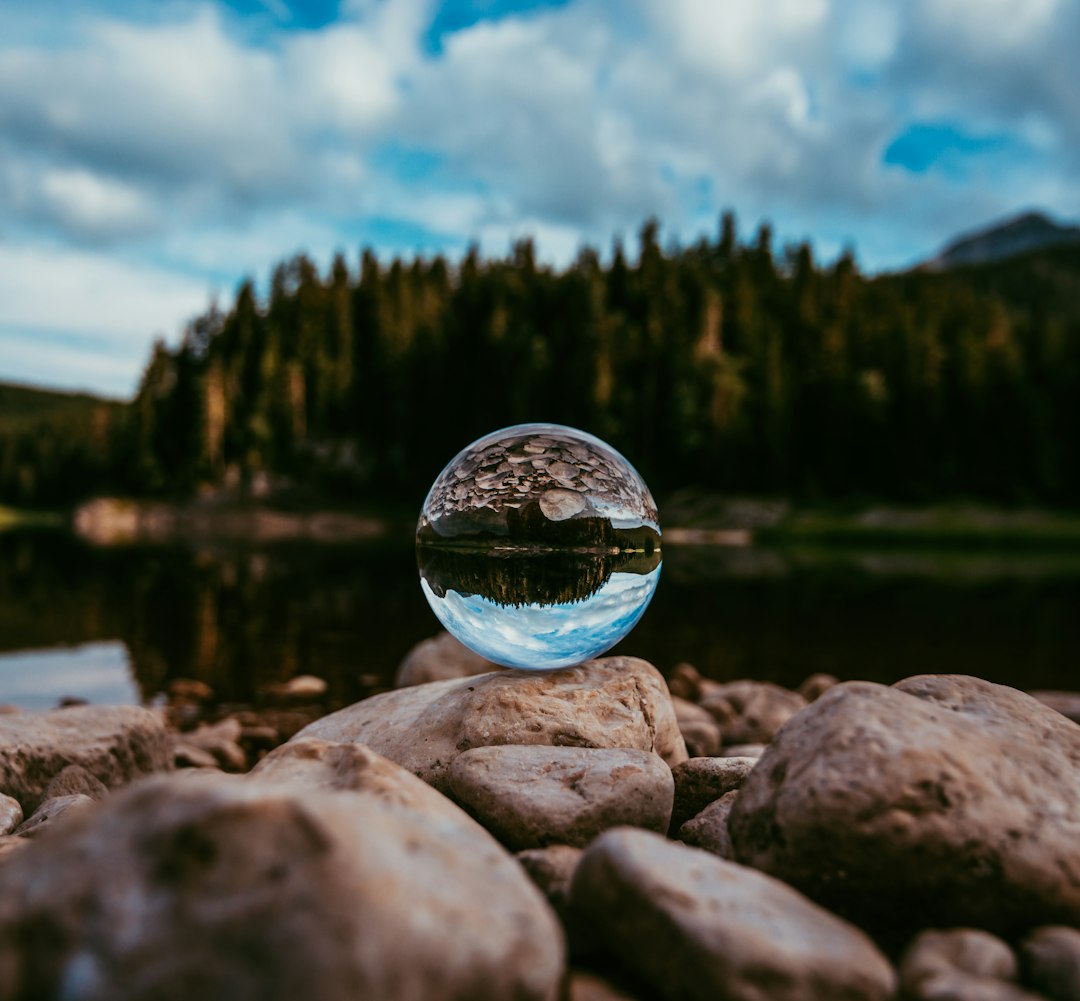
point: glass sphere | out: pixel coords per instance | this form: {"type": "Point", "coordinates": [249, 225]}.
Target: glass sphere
{"type": "Point", "coordinates": [538, 546]}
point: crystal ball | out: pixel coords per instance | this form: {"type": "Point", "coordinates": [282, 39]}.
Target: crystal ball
{"type": "Point", "coordinates": [538, 546]}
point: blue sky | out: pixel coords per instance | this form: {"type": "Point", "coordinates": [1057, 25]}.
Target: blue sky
{"type": "Point", "coordinates": [154, 154]}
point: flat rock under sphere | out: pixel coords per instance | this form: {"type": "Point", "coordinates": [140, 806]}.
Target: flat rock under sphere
{"type": "Point", "coordinates": [610, 702]}
{"type": "Point", "coordinates": [530, 796]}
{"type": "Point", "coordinates": [697, 928]}
{"type": "Point", "coordinates": [943, 801]}
{"type": "Point", "coordinates": [213, 887]}
{"type": "Point", "coordinates": [115, 744]}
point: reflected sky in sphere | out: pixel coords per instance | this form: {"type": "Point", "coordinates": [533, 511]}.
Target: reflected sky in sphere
{"type": "Point", "coordinates": [546, 636]}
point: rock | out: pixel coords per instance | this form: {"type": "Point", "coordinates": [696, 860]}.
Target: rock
{"type": "Point", "coordinates": [9, 844]}
{"type": "Point", "coordinates": [1066, 703]}
{"type": "Point", "coordinates": [1050, 957]}
{"type": "Point", "coordinates": [693, 926]}
{"type": "Point", "coordinates": [701, 781]}
{"type": "Point", "coordinates": [11, 814]}
{"type": "Point", "coordinates": [969, 951]}
{"type": "Point", "coordinates": [320, 764]}
{"type": "Point", "coordinates": [438, 659]}
{"type": "Point", "coordinates": [709, 830]}
{"type": "Point", "coordinates": [817, 685]}
{"type": "Point", "coordinates": [751, 712]}
{"type": "Point", "coordinates": [187, 755]}
{"type": "Point", "coordinates": [552, 869]}
{"type": "Point", "coordinates": [113, 743]}
{"type": "Point", "coordinates": [74, 780]}
{"type": "Point", "coordinates": [219, 887]}
{"type": "Point", "coordinates": [753, 751]}
{"type": "Point", "coordinates": [610, 702]}
{"type": "Point", "coordinates": [48, 815]}
{"type": "Point", "coordinates": [285, 723]}
{"type": "Point", "coordinates": [302, 688]}
{"type": "Point", "coordinates": [698, 728]}
{"type": "Point", "coordinates": [684, 682]}
{"type": "Point", "coordinates": [584, 986]}
{"type": "Point", "coordinates": [220, 741]}
{"type": "Point", "coordinates": [530, 796]}
{"type": "Point", "coordinates": [191, 689]}
{"type": "Point", "coordinates": [943, 801]}
{"type": "Point", "coordinates": [960, 964]}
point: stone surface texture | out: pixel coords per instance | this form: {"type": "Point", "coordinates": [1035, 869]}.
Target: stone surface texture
{"type": "Point", "coordinates": [211, 886]}
{"type": "Point", "coordinates": [438, 659]}
{"type": "Point", "coordinates": [937, 964]}
{"type": "Point", "coordinates": [943, 801]}
{"type": "Point", "coordinates": [52, 812]}
{"type": "Point", "coordinates": [693, 926]}
{"type": "Point", "coordinates": [1050, 957]}
{"type": "Point", "coordinates": [11, 814]}
{"type": "Point", "coordinates": [751, 712]}
{"type": "Point", "coordinates": [609, 702]}
{"type": "Point", "coordinates": [74, 780]}
{"type": "Point", "coordinates": [701, 781]}
{"type": "Point", "coordinates": [700, 731]}
{"type": "Point", "coordinates": [709, 829]}
{"type": "Point", "coordinates": [552, 869]}
{"type": "Point", "coordinates": [115, 744]}
{"type": "Point", "coordinates": [530, 796]}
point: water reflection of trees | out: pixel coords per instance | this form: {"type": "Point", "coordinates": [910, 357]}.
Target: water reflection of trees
{"type": "Point", "coordinates": [238, 620]}
{"type": "Point", "coordinates": [515, 578]}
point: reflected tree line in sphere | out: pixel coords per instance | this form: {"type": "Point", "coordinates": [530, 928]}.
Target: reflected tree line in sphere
{"type": "Point", "coordinates": [724, 364]}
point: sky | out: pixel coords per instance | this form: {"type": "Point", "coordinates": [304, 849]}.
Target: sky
{"type": "Point", "coordinates": [545, 637]}
{"type": "Point", "coordinates": [154, 154]}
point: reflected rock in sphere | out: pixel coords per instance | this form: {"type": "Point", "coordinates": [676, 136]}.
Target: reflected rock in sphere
{"type": "Point", "coordinates": [539, 546]}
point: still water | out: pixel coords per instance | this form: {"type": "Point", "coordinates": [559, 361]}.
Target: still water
{"type": "Point", "coordinates": [112, 625]}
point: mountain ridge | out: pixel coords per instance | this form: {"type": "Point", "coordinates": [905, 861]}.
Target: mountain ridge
{"type": "Point", "coordinates": [1012, 236]}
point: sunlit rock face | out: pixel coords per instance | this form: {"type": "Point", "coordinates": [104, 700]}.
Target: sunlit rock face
{"type": "Point", "coordinates": [539, 546]}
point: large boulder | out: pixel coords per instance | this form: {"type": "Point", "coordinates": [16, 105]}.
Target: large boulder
{"type": "Point", "coordinates": [530, 796]}
{"type": "Point", "coordinates": [259, 889]}
{"type": "Point", "coordinates": [694, 926]}
{"type": "Point", "coordinates": [942, 801]}
{"type": "Point", "coordinates": [115, 744]}
{"type": "Point", "coordinates": [611, 702]}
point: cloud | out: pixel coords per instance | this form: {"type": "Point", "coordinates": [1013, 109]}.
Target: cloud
{"type": "Point", "coordinates": [210, 144]}
{"type": "Point", "coordinates": [74, 319]}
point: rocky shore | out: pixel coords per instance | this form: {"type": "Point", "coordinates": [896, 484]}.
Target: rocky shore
{"type": "Point", "coordinates": [592, 834]}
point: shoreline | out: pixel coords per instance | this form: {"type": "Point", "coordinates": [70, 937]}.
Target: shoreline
{"type": "Point", "coordinates": [704, 521]}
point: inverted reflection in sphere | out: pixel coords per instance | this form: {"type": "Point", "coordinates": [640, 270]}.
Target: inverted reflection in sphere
{"type": "Point", "coordinates": [539, 546]}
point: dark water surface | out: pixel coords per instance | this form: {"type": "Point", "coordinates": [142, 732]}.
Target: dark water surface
{"type": "Point", "coordinates": [118, 624]}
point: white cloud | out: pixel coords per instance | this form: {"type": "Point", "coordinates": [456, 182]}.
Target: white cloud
{"type": "Point", "coordinates": [181, 137]}
{"type": "Point", "coordinates": [79, 319]}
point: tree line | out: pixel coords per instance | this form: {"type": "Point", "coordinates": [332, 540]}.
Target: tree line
{"type": "Point", "coordinates": [725, 364]}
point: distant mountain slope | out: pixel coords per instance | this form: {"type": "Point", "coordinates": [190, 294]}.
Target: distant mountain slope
{"type": "Point", "coordinates": [1022, 234]}
{"type": "Point", "coordinates": [21, 406]}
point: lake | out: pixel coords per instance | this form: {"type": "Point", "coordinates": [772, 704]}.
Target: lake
{"type": "Point", "coordinates": [118, 624]}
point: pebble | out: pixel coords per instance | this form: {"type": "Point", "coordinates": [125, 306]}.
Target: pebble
{"type": "Point", "coordinates": [694, 927]}
{"type": "Point", "coordinates": [709, 829]}
{"type": "Point", "coordinates": [1050, 958]}
{"type": "Point", "coordinates": [531, 796]}
{"type": "Point", "coordinates": [701, 781]}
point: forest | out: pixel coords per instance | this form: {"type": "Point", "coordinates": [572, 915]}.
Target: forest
{"type": "Point", "coordinates": [726, 364]}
